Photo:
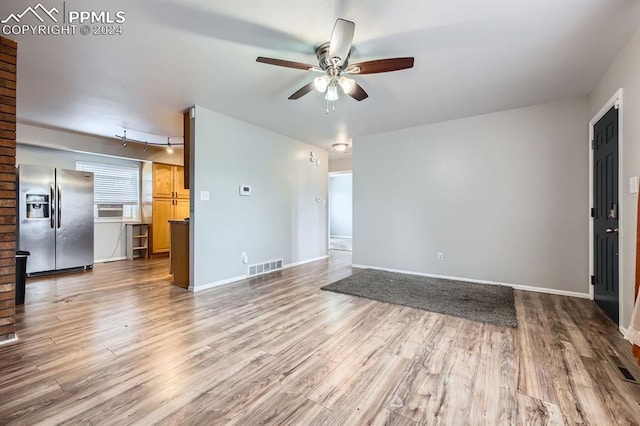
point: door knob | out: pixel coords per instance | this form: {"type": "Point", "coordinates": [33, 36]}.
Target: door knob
{"type": "Point", "coordinates": [611, 230]}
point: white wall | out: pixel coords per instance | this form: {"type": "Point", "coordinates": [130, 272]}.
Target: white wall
{"type": "Point", "coordinates": [504, 196]}
{"type": "Point", "coordinates": [340, 164]}
{"type": "Point", "coordinates": [340, 205]}
{"type": "Point", "coordinates": [281, 219]}
{"type": "Point", "coordinates": [109, 237]}
{"type": "Point", "coordinates": [625, 73]}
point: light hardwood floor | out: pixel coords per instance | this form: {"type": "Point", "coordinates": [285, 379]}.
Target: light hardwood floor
{"type": "Point", "coordinates": [121, 345]}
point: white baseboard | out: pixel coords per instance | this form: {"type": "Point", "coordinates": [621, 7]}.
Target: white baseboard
{"type": "Point", "coordinates": [244, 277]}
{"type": "Point", "coordinates": [622, 330]}
{"type": "Point", "coordinates": [217, 283]}
{"type": "Point", "coordinates": [550, 291]}
{"type": "Point", "coordinates": [113, 259]}
{"type": "Point", "coordinates": [302, 262]}
{"type": "Point", "coordinates": [340, 236]}
{"type": "Point", "coordinates": [514, 286]}
{"type": "Point", "coordinates": [9, 341]}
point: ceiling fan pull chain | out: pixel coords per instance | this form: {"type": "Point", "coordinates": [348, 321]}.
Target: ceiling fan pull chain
{"type": "Point", "coordinates": [327, 107]}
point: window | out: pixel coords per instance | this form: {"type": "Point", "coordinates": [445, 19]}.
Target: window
{"type": "Point", "coordinates": [116, 190]}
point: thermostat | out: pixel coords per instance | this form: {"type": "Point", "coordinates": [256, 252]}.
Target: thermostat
{"type": "Point", "coordinates": [245, 190]}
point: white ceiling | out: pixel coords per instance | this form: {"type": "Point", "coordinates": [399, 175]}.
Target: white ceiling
{"type": "Point", "coordinates": [471, 57]}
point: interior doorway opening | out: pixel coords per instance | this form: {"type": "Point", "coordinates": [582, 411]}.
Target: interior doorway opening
{"type": "Point", "coordinates": [341, 211]}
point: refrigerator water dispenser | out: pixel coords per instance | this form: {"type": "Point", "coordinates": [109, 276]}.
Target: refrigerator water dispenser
{"type": "Point", "coordinates": [37, 206]}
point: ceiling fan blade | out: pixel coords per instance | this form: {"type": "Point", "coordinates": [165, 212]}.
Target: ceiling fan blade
{"type": "Point", "coordinates": [381, 65]}
{"type": "Point", "coordinates": [341, 39]}
{"type": "Point", "coordinates": [358, 93]}
{"type": "Point", "coordinates": [283, 63]}
{"type": "Point", "coordinates": [302, 91]}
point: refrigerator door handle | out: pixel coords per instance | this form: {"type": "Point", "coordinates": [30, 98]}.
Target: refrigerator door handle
{"type": "Point", "coordinates": [52, 208]}
{"type": "Point", "coordinates": [59, 209]}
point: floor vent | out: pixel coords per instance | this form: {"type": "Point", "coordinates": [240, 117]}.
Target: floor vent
{"type": "Point", "coordinates": [265, 268]}
{"type": "Point", "coordinates": [623, 371]}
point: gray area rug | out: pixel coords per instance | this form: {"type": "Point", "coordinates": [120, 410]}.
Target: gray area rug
{"type": "Point", "coordinates": [491, 304]}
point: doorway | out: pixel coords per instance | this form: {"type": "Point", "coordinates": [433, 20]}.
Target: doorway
{"type": "Point", "coordinates": [606, 213]}
{"type": "Point", "coordinates": [340, 211]}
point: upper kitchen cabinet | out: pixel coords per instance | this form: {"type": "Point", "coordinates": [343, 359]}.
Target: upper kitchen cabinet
{"type": "Point", "coordinates": [168, 181]}
{"type": "Point", "coordinates": [178, 179]}
{"type": "Point", "coordinates": [163, 185]}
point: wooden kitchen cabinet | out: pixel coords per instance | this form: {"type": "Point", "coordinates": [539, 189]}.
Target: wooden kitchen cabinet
{"type": "Point", "coordinates": [181, 209]}
{"type": "Point", "coordinates": [163, 212]}
{"type": "Point", "coordinates": [168, 181]}
{"type": "Point", "coordinates": [163, 180]}
{"type": "Point", "coordinates": [170, 202]}
{"type": "Point", "coordinates": [178, 179]}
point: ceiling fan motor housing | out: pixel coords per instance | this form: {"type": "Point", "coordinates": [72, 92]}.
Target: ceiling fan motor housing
{"type": "Point", "coordinates": [324, 60]}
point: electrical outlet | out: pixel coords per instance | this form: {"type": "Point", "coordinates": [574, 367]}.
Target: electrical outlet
{"type": "Point", "coordinates": [245, 258]}
{"type": "Point", "coordinates": [440, 255]}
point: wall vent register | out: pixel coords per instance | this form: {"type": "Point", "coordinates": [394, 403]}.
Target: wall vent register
{"type": "Point", "coordinates": [265, 268]}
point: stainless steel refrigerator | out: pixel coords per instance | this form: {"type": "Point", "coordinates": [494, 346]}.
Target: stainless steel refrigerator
{"type": "Point", "coordinates": [55, 218]}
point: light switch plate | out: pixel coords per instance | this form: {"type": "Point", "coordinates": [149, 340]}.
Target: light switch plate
{"type": "Point", "coordinates": [245, 190]}
{"type": "Point", "coordinates": [633, 185]}
{"type": "Point", "coordinates": [204, 195]}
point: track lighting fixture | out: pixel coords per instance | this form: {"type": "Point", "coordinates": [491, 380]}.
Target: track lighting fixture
{"type": "Point", "coordinates": [124, 140]}
{"type": "Point", "coordinates": [169, 149]}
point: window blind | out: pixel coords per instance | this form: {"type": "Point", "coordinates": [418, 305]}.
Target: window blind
{"type": "Point", "coordinates": [113, 184]}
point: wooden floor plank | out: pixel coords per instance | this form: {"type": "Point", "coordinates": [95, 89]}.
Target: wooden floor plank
{"type": "Point", "coordinates": [532, 411]}
{"type": "Point", "coordinates": [121, 345]}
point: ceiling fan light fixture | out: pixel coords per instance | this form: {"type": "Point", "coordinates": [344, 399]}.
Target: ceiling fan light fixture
{"type": "Point", "coordinates": [333, 61]}
{"type": "Point", "coordinates": [347, 84]}
{"type": "Point", "coordinates": [321, 83]}
{"type": "Point", "coordinates": [340, 147]}
{"type": "Point", "coordinates": [332, 94]}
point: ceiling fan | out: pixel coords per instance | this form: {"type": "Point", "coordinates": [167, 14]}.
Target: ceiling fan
{"type": "Point", "coordinates": [333, 62]}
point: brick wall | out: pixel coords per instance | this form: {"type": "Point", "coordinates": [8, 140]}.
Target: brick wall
{"type": "Point", "coordinates": [8, 54]}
